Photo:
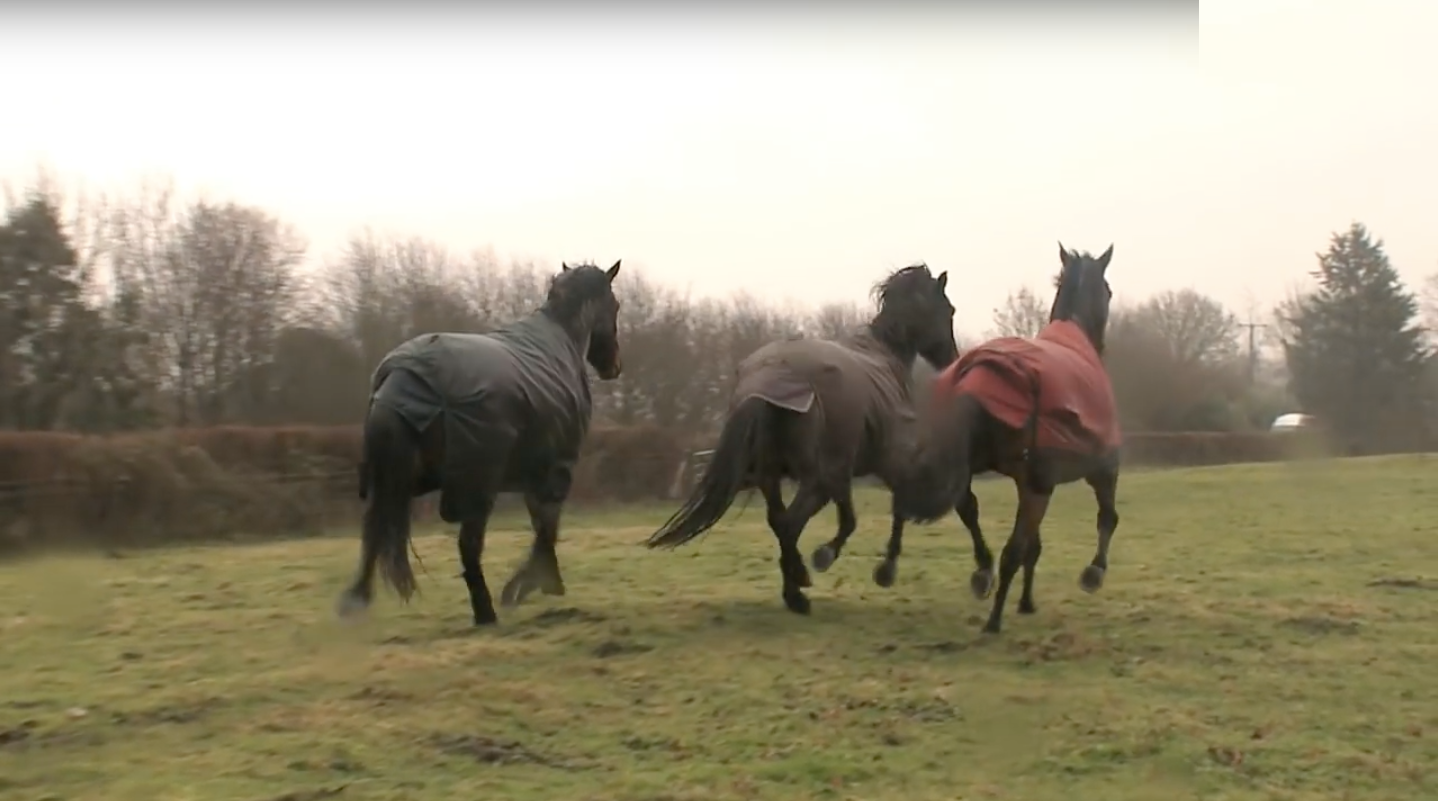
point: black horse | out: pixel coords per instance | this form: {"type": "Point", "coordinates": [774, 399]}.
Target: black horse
{"type": "Point", "coordinates": [473, 415]}
{"type": "Point", "coordinates": [822, 412]}
{"type": "Point", "coordinates": [1040, 411]}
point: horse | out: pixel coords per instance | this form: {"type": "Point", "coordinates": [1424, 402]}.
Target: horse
{"type": "Point", "coordinates": [1040, 411]}
{"type": "Point", "coordinates": [822, 412]}
{"type": "Point", "coordinates": [473, 415]}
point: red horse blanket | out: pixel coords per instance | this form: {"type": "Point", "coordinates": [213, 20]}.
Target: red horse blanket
{"type": "Point", "coordinates": [1076, 410]}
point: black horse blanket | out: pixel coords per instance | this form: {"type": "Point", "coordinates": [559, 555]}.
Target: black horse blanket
{"type": "Point", "coordinates": [515, 406]}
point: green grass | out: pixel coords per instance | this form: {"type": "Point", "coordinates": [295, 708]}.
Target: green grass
{"type": "Point", "coordinates": [1241, 649]}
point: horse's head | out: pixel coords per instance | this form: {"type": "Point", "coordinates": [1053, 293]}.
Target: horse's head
{"type": "Point", "coordinates": [1083, 294]}
{"type": "Point", "coordinates": [581, 298]}
{"type": "Point", "coordinates": [915, 316]}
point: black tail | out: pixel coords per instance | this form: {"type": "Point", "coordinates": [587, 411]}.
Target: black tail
{"type": "Point", "coordinates": [744, 439]}
{"type": "Point", "coordinates": [943, 466]}
{"type": "Point", "coordinates": [390, 449]}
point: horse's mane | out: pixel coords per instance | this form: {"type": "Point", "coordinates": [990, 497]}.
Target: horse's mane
{"type": "Point", "coordinates": [901, 283]}
{"type": "Point", "coordinates": [572, 288]}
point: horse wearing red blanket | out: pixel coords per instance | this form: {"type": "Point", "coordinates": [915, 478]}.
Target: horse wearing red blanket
{"type": "Point", "coordinates": [1040, 411]}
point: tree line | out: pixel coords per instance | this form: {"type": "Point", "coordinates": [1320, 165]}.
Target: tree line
{"type": "Point", "coordinates": [152, 310]}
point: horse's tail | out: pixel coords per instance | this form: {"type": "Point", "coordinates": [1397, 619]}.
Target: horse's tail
{"type": "Point", "coordinates": [391, 448]}
{"type": "Point", "coordinates": [942, 468]}
{"type": "Point", "coordinates": [744, 441]}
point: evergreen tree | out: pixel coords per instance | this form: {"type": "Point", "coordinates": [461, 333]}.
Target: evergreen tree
{"type": "Point", "coordinates": [1356, 354]}
{"type": "Point", "coordinates": [42, 311]}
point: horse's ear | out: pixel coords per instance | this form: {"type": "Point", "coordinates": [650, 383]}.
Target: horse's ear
{"type": "Point", "coordinates": [614, 271]}
{"type": "Point", "coordinates": [943, 280]}
{"type": "Point", "coordinates": [1063, 255]}
{"type": "Point", "coordinates": [1104, 259]}
{"type": "Point", "coordinates": [563, 267]}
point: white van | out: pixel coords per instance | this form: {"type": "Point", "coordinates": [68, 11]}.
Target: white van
{"type": "Point", "coordinates": [1293, 421]}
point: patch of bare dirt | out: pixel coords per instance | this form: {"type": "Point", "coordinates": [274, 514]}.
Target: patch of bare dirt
{"type": "Point", "coordinates": [1320, 625]}
{"type": "Point", "coordinates": [568, 614]}
{"type": "Point", "coordinates": [1062, 646]}
{"type": "Point", "coordinates": [168, 713]}
{"type": "Point", "coordinates": [490, 751]}
{"type": "Point", "coordinates": [381, 696]}
{"type": "Point", "coordinates": [310, 795]}
{"type": "Point", "coordinates": [17, 734]}
{"type": "Point", "coordinates": [29, 735]}
{"type": "Point", "coordinates": [1406, 583]}
{"type": "Point", "coordinates": [610, 648]}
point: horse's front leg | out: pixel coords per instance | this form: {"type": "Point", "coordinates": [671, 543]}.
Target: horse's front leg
{"type": "Point", "coordinates": [541, 570]}
{"type": "Point", "coordinates": [1105, 491]}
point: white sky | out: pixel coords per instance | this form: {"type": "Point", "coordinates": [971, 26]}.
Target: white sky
{"type": "Point", "coordinates": [803, 152]}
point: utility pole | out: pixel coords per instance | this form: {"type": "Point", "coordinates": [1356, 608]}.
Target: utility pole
{"type": "Point", "coordinates": [1252, 348]}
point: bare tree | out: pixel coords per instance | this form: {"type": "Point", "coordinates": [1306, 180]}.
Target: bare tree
{"type": "Point", "coordinates": [834, 320]}
{"type": "Point", "coordinates": [383, 290]}
{"type": "Point", "coordinates": [1023, 314]}
{"type": "Point", "coordinates": [1195, 328]}
{"type": "Point", "coordinates": [659, 364]}
{"type": "Point", "coordinates": [217, 283]}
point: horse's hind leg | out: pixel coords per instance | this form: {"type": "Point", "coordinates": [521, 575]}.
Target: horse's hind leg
{"type": "Point", "coordinates": [824, 556]}
{"type": "Point", "coordinates": [981, 583]}
{"type": "Point", "coordinates": [471, 555]}
{"type": "Point", "coordinates": [1031, 562]}
{"type": "Point", "coordinates": [776, 513]}
{"type": "Point", "coordinates": [541, 570]}
{"type": "Point", "coordinates": [1105, 490]}
{"type": "Point", "coordinates": [1033, 505]}
{"type": "Point", "coordinates": [788, 524]}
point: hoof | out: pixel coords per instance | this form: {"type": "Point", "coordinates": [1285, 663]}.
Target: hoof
{"type": "Point", "coordinates": [517, 588]}
{"type": "Point", "coordinates": [486, 619]}
{"type": "Point", "coordinates": [1027, 607]}
{"type": "Point", "coordinates": [351, 605]}
{"type": "Point", "coordinates": [824, 557]}
{"type": "Point", "coordinates": [1091, 578]}
{"type": "Point", "coordinates": [798, 603]}
{"type": "Point", "coordinates": [992, 627]}
{"type": "Point", "coordinates": [981, 583]}
{"type": "Point", "coordinates": [885, 573]}
{"type": "Point", "coordinates": [547, 577]}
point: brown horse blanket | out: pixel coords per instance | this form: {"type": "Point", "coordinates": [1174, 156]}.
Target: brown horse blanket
{"type": "Point", "coordinates": [862, 390]}
{"type": "Point", "coordinates": [1076, 410]}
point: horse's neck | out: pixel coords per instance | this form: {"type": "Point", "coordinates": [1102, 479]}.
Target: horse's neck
{"type": "Point", "coordinates": [902, 353]}
{"type": "Point", "coordinates": [1082, 332]}
{"type": "Point", "coordinates": [901, 360]}
{"type": "Point", "coordinates": [573, 330]}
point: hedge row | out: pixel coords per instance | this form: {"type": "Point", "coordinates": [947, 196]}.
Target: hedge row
{"type": "Point", "coordinates": [198, 484]}
{"type": "Point", "coordinates": [167, 486]}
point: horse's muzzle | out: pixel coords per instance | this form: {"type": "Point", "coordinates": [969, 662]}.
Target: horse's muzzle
{"type": "Point", "coordinates": [614, 371]}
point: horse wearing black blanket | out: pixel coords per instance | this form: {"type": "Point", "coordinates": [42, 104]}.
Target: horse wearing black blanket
{"type": "Point", "coordinates": [473, 415]}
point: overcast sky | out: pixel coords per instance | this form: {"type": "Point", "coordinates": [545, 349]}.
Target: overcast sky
{"type": "Point", "coordinates": [800, 151]}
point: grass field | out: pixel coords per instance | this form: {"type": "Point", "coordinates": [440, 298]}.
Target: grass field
{"type": "Point", "coordinates": [1266, 632]}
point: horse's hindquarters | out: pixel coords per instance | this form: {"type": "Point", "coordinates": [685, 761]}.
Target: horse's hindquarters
{"type": "Point", "coordinates": [410, 397]}
{"type": "Point", "coordinates": [778, 384]}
